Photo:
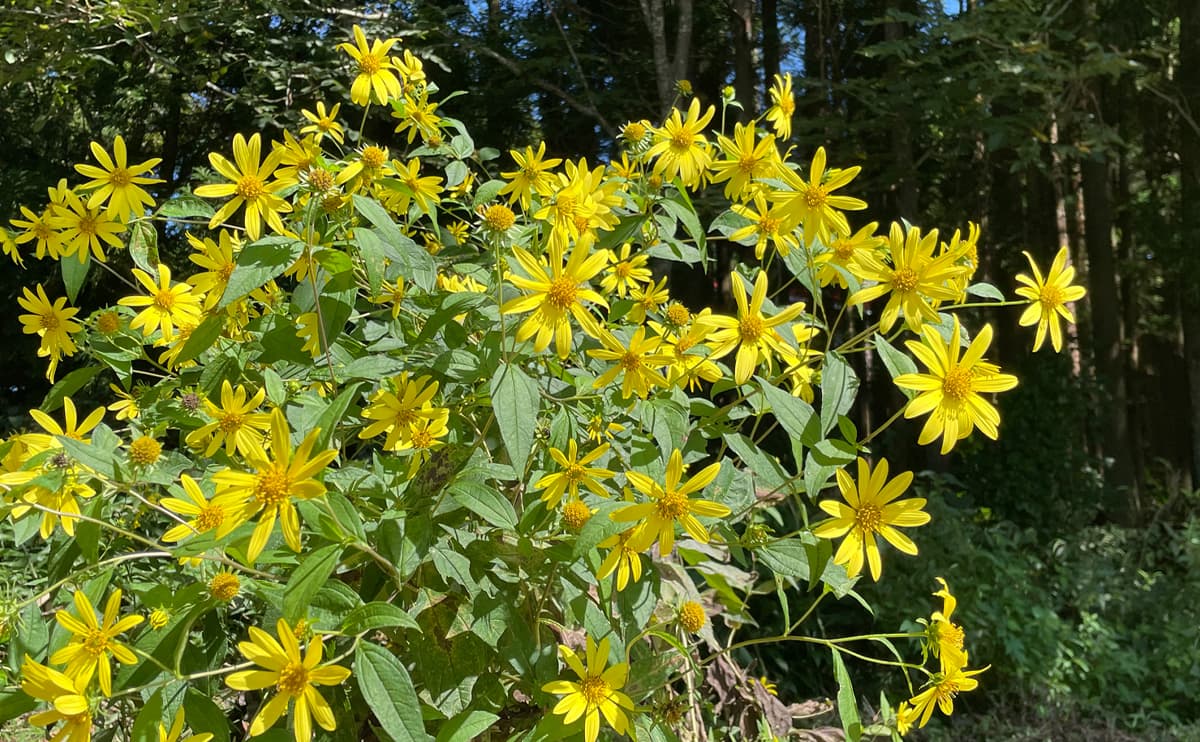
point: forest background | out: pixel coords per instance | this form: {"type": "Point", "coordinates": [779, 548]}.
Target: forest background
{"type": "Point", "coordinates": [1048, 122]}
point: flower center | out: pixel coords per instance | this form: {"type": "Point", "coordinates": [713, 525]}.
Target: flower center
{"type": "Point", "coordinates": [622, 270]}
{"type": "Point", "coordinates": [225, 271]}
{"type": "Point", "coordinates": [164, 301]}
{"type": "Point", "coordinates": [681, 140]}
{"type": "Point", "coordinates": [320, 180]}
{"type": "Point", "coordinates": [1051, 297]}
{"type": "Point", "coordinates": [293, 679]}
{"type": "Point", "coordinates": [498, 217]}
{"type": "Point", "coordinates": [120, 177]}
{"type": "Point", "coordinates": [422, 439]}
{"type": "Point", "coordinates": [209, 517]}
{"type": "Point", "coordinates": [87, 225]}
{"type": "Point", "coordinates": [249, 187]}
{"type": "Point", "coordinates": [404, 418]}
{"type": "Point", "coordinates": [373, 157]}
{"type": "Point", "coordinates": [951, 634]}
{"type": "Point", "coordinates": [946, 690]}
{"type": "Point", "coordinates": [672, 505]}
{"type": "Point", "coordinates": [751, 328]}
{"type": "Point", "coordinates": [562, 292]}
{"type": "Point", "coordinates": [843, 250]}
{"type": "Point", "coordinates": [814, 197]}
{"type": "Point", "coordinates": [957, 384]}
{"type": "Point", "coordinates": [678, 314]}
{"type": "Point", "coordinates": [630, 362]}
{"type": "Point", "coordinates": [904, 280]}
{"type": "Point", "coordinates": [273, 486]}
{"type": "Point", "coordinates": [369, 64]}
{"type": "Point", "coordinates": [231, 422]}
{"type": "Point", "coordinates": [867, 518]}
{"type": "Point", "coordinates": [768, 225]}
{"type": "Point", "coordinates": [787, 106]}
{"type": "Point", "coordinates": [95, 642]}
{"type": "Point", "coordinates": [594, 690]}
{"type": "Point", "coordinates": [574, 473]}
{"type": "Point", "coordinates": [49, 322]}
{"type": "Point", "coordinates": [42, 231]}
{"type": "Point", "coordinates": [565, 205]}
{"type": "Point", "coordinates": [634, 132]}
{"type": "Point", "coordinates": [748, 164]}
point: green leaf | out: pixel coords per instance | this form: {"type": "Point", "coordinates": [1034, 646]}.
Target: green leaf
{"type": "Point", "coordinates": [389, 692]}
{"type": "Point", "coordinates": [143, 247]}
{"type": "Point", "coordinates": [74, 273]}
{"type": "Point", "coordinates": [14, 704]}
{"type": "Point", "coordinates": [847, 706]}
{"type": "Point", "coordinates": [377, 615]}
{"type": "Point", "coordinates": [485, 501]}
{"type": "Point", "coordinates": [202, 338]}
{"type": "Point", "coordinates": [258, 263]}
{"type": "Point", "coordinates": [488, 191]}
{"type": "Point", "coordinates": [337, 303]}
{"type": "Point", "coordinates": [599, 527]}
{"type": "Point", "coordinates": [99, 459]}
{"type": "Point", "coordinates": [276, 392]}
{"type": "Point", "coordinates": [145, 726]}
{"type": "Point", "coordinates": [786, 557]}
{"type": "Point", "coordinates": [308, 578]}
{"type": "Point", "coordinates": [186, 206]}
{"type": "Point", "coordinates": [515, 402]}
{"type": "Point", "coordinates": [838, 387]}
{"type": "Point", "coordinates": [201, 713]}
{"type": "Point", "coordinates": [334, 414]}
{"type": "Point", "coordinates": [415, 263]}
{"type": "Point", "coordinates": [896, 361]}
{"type": "Point", "coordinates": [794, 414]}
{"type": "Point", "coordinates": [466, 726]}
{"type": "Point", "coordinates": [68, 385]}
{"type": "Point", "coordinates": [985, 291]}
{"type": "Point", "coordinates": [687, 217]}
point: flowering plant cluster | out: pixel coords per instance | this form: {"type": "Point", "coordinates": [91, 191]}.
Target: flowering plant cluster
{"type": "Point", "coordinates": [440, 424]}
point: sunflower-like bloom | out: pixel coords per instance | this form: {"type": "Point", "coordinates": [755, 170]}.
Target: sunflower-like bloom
{"type": "Point", "coordinates": [783, 105]}
{"type": "Point", "coordinates": [638, 363]}
{"type": "Point", "coordinates": [324, 123]}
{"type": "Point", "coordinates": [844, 252]}
{"type": "Point", "coordinates": [166, 307]}
{"type": "Point", "coordinates": [376, 79]}
{"type": "Point", "coordinates": [626, 562]}
{"type": "Point", "coordinates": [812, 205]}
{"type": "Point", "coordinates": [236, 423]}
{"type": "Point", "coordinates": [746, 160]}
{"type": "Point", "coordinates": [597, 692]}
{"type": "Point", "coordinates": [752, 333]}
{"type": "Point", "coordinates": [218, 261]}
{"type": "Point", "coordinates": [83, 229]}
{"type": "Point", "coordinates": [556, 294]}
{"type": "Point", "coordinates": [950, 392]}
{"type": "Point", "coordinates": [37, 228]}
{"type": "Point", "coordinates": [280, 477]}
{"type": "Point", "coordinates": [425, 192]}
{"type": "Point", "coordinates": [942, 688]}
{"type": "Point", "coordinates": [53, 323]}
{"type": "Point", "coordinates": [671, 504]}
{"type": "Point", "coordinates": [294, 678]}
{"type": "Point", "coordinates": [396, 410]}
{"type": "Point", "coordinates": [680, 146]}
{"type": "Point", "coordinates": [869, 510]}
{"type": "Point", "coordinates": [93, 640]}
{"type": "Point", "coordinates": [625, 271]}
{"type": "Point", "coordinates": [71, 428]}
{"type": "Point", "coordinates": [916, 280]}
{"type": "Point", "coordinates": [249, 186]}
{"type": "Point", "coordinates": [221, 514]}
{"type": "Point", "coordinates": [944, 637]}
{"type": "Point", "coordinates": [1049, 296]}
{"type": "Point", "coordinates": [688, 366]}
{"type": "Point", "coordinates": [574, 472]}
{"type": "Point", "coordinates": [117, 182]}
{"type": "Point", "coordinates": [531, 176]}
{"type": "Point", "coordinates": [766, 225]}
{"type": "Point", "coordinates": [67, 699]}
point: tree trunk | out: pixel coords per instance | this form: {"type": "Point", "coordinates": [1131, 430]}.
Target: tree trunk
{"type": "Point", "coordinates": [770, 41]}
{"type": "Point", "coordinates": [744, 78]}
{"type": "Point", "coordinates": [1188, 78]}
{"type": "Point", "coordinates": [656, 21]}
{"type": "Point", "coordinates": [902, 147]}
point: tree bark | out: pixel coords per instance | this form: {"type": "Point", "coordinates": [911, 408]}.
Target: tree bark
{"type": "Point", "coordinates": [744, 78]}
{"type": "Point", "coordinates": [1188, 78]}
{"type": "Point", "coordinates": [770, 41]}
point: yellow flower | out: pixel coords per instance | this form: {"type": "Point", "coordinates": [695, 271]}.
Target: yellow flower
{"type": "Point", "coordinates": [53, 323]}
{"type": "Point", "coordinates": [944, 637]}
{"type": "Point", "coordinates": [1049, 297]}
{"type": "Point", "coordinates": [165, 307]}
{"type": "Point", "coordinates": [84, 228]}
{"type": "Point", "coordinates": [670, 504]}
{"type": "Point", "coordinates": [159, 617]}
{"type": "Point", "coordinates": [783, 105]}
{"type": "Point", "coordinates": [117, 182]}
{"type": "Point", "coordinates": [597, 692]}
{"type": "Point", "coordinates": [391, 293]}
{"type": "Point", "coordinates": [844, 252]}
{"type": "Point", "coordinates": [621, 558]}
{"type": "Point", "coordinates": [297, 160]}
{"type": "Point", "coordinates": [688, 368]}
{"type": "Point", "coordinates": [531, 176]}
{"type": "Point", "coordinates": [906, 716]}
{"type": "Point", "coordinates": [126, 405]}
{"type": "Point", "coordinates": [176, 731]}
{"type": "Point", "coordinates": [8, 245]}
{"type": "Point", "coordinates": [66, 698]}
{"type": "Point", "coordinates": [396, 410]}
{"type": "Point", "coordinates": [38, 227]}
{"type": "Point", "coordinates": [280, 477]}
{"type": "Point", "coordinates": [308, 329]}
{"type": "Point", "coordinates": [625, 272]}
{"type": "Point", "coordinates": [647, 298]}
{"type": "Point", "coordinates": [224, 586]}
{"type": "Point", "coordinates": [752, 333]}
{"type": "Point", "coordinates": [144, 450]}
{"type": "Point", "coordinates": [692, 617]}
{"type": "Point", "coordinates": [638, 363]}
{"type": "Point", "coordinates": [869, 510]}
{"type": "Point", "coordinates": [746, 160]}
{"type": "Point", "coordinates": [376, 79]}
{"type": "Point", "coordinates": [324, 123]}
{"type": "Point", "coordinates": [942, 688]}
{"type": "Point", "coordinates": [424, 437]}
{"type": "Point", "coordinates": [556, 293]}
{"type": "Point", "coordinates": [417, 117]}
{"type": "Point", "coordinates": [950, 391]}
{"type": "Point", "coordinates": [425, 192]}
{"type": "Point", "coordinates": [574, 472]}
{"type": "Point", "coordinates": [812, 205]}
{"type": "Point", "coordinates": [248, 186]}
{"type": "Point", "coordinates": [41, 442]}
{"type": "Point", "coordinates": [497, 218]}
{"type": "Point", "coordinates": [293, 678]}
{"type": "Point", "coordinates": [235, 422]}
{"type": "Point", "coordinates": [55, 505]}
{"type": "Point", "coordinates": [680, 146]}
{"type": "Point", "coordinates": [766, 223]}
{"type": "Point", "coordinates": [575, 515]}
{"type": "Point", "coordinates": [92, 640]}
{"type": "Point", "coordinates": [218, 261]}
{"type": "Point", "coordinates": [222, 514]}
{"type": "Point", "coordinates": [917, 280]}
